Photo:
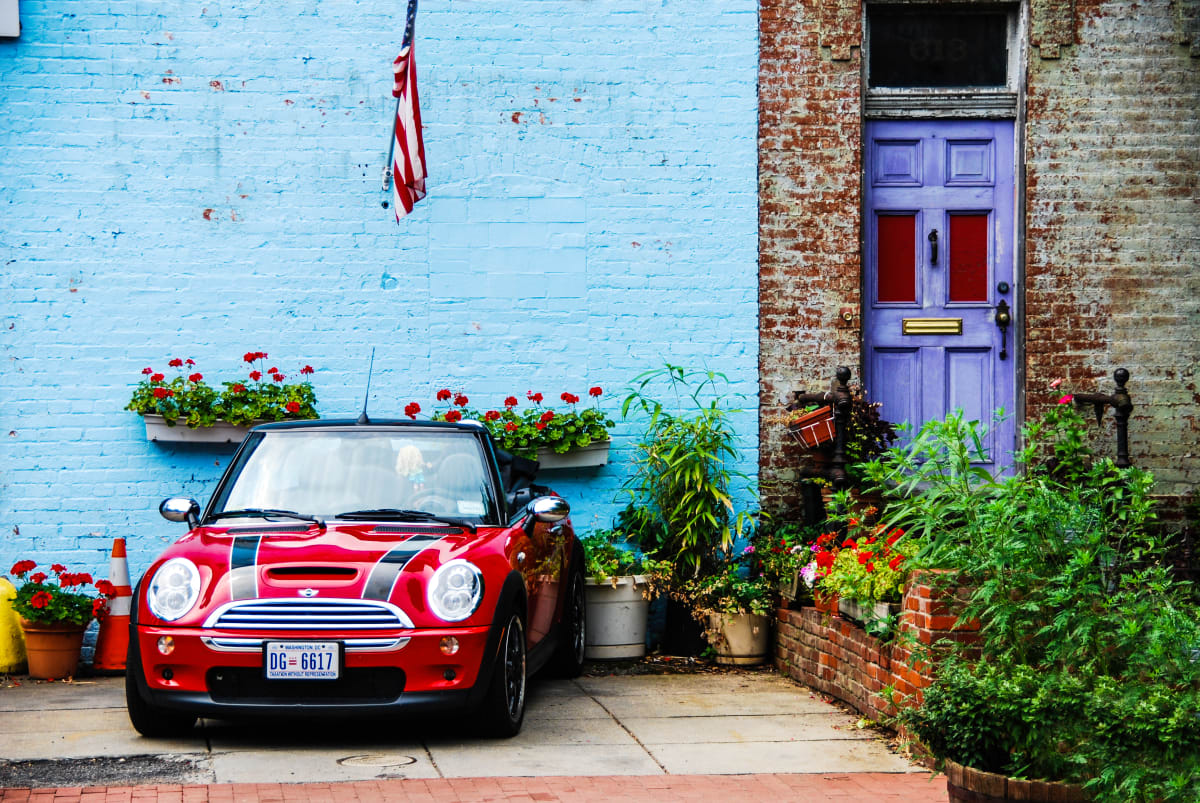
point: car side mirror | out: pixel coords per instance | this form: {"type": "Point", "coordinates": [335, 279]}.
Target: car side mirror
{"type": "Point", "coordinates": [549, 509]}
{"type": "Point", "coordinates": [181, 509]}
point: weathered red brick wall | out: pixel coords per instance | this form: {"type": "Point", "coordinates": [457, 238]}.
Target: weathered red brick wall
{"type": "Point", "coordinates": [1112, 256]}
{"type": "Point", "coordinates": [838, 658]}
{"type": "Point", "coordinates": [1111, 216]}
{"type": "Point", "coordinates": [809, 188]}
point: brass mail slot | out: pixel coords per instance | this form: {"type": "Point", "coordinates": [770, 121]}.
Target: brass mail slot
{"type": "Point", "coordinates": [933, 326]}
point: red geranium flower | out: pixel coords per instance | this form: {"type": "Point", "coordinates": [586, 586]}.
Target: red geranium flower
{"type": "Point", "coordinates": [825, 559]}
{"type": "Point", "coordinates": [849, 543]}
{"type": "Point", "coordinates": [256, 375]}
{"type": "Point", "coordinates": [195, 377]}
{"type": "Point", "coordinates": [22, 566]}
{"type": "Point", "coordinates": [58, 568]}
{"type": "Point", "coordinates": [511, 426]}
{"type": "Point", "coordinates": [547, 417]}
{"type": "Point", "coordinates": [596, 391]}
{"type": "Point", "coordinates": [511, 401]}
{"type": "Point", "coordinates": [453, 416]}
{"type": "Point", "coordinates": [895, 562]}
{"type": "Point", "coordinates": [444, 394]}
{"type": "Point", "coordinates": [460, 400]}
{"type": "Point", "coordinates": [277, 377]}
{"type": "Point", "coordinates": [237, 387]}
{"type": "Point", "coordinates": [292, 407]}
{"type": "Point", "coordinates": [870, 567]}
{"type": "Point", "coordinates": [863, 557]}
{"type": "Point", "coordinates": [162, 393]}
{"type": "Point", "coordinates": [175, 363]}
{"type": "Point", "coordinates": [250, 356]}
{"type": "Point", "coordinates": [37, 577]}
{"type": "Point", "coordinates": [272, 370]}
{"type": "Point", "coordinates": [189, 361]}
{"type": "Point", "coordinates": [541, 425]}
{"type": "Point", "coordinates": [158, 377]}
{"type": "Point", "coordinates": [536, 398]}
{"type": "Point", "coordinates": [106, 588]}
{"type": "Point", "coordinates": [99, 608]}
{"type": "Point", "coordinates": [41, 599]}
{"type": "Point", "coordinates": [569, 398]}
{"type": "Point", "coordinates": [147, 371]}
{"type": "Point", "coordinates": [308, 369]}
{"type": "Point", "coordinates": [411, 409]}
{"type": "Point", "coordinates": [492, 415]}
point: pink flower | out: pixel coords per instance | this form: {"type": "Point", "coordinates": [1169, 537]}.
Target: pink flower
{"type": "Point", "coordinates": [1066, 399]}
{"type": "Point", "coordinates": [748, 550]}
{"type": "Point", "coordinates": [1055, 383]}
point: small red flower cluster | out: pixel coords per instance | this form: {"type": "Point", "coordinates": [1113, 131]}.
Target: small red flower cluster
{"type": "Point", "coordinates": [251, 356]}
{"type": "Point", "coordinates": [411, 409]}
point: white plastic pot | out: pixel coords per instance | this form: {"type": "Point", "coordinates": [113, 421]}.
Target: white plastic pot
{"type": "Point", "coordinates": [616, 618]}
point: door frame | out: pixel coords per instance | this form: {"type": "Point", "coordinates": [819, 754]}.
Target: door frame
{"type": "Point", "coordinates": [958, 105]}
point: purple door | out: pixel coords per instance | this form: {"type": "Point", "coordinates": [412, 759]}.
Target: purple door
{"type": "Point", "coordinates": [939, 256]}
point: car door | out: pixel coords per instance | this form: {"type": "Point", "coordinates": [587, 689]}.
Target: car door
{"type": "Point", "coordinates": [939, 249]}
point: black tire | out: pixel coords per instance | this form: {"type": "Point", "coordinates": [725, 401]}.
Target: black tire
{"type": "Point", "coordinates": [147, 719]}
{"type": "Point", "coordinates": [567, 661]}
{"type": "Point", "coordinates": [503, 710]}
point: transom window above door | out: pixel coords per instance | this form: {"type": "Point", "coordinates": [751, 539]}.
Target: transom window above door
{"type": "Point", "coordinates": [939, 59]}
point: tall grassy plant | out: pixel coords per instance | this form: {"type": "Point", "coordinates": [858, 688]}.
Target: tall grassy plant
{"type": "Point", "coordinates": [680, 493]}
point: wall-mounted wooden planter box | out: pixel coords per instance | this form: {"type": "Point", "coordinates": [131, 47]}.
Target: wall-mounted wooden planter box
{"type": "Point", "coordinates": [590, 456]}
{"type": "Point", "coordinates": [813, 429]}
{"type": "Point", "coordinates": [222, 432]}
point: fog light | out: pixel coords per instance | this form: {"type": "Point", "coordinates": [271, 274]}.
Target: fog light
{"type": "Point", "coordinates": [449, 645]}
{"type": "Point", "coordinates": [168, 673]}
{"type": "Point", "coordinates": [449, 674]}
{"type": "Point", "coordinates": [166, 644]}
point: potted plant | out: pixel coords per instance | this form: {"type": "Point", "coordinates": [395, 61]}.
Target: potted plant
{"type": "Point", "coordinates": [733, 604]}
{"type": "Point", "coordinates": [620, 582]}
{"type": "Point", "coordinates": [812, 425]}
{"type": "Point", "coordinates": [781, 552]}
{"type": "Point", "coordinates": [1086, 670]}
{"type": "Point", "coordinates": [681, 492]}
{"type": "Point", "coordinates": [53, 617]}
{"type": "Point", "coordinates": [213, 416]}
{"type": "Point", "coordinates": [571, 437]}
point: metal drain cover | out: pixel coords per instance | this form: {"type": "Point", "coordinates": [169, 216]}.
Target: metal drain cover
{"type": "Point", "coordinates": [377, 760]}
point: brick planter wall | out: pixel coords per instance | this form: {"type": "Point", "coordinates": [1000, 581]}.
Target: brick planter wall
{"type": "Point", "coordinates": [837, 657]}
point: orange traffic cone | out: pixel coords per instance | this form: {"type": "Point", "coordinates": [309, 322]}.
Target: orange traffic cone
{"type": "Point", "coordinates": [113, 640]}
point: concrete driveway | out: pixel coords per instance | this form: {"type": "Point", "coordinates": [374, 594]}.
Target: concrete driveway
{"type": "Point", "coordinates": [77, 734]}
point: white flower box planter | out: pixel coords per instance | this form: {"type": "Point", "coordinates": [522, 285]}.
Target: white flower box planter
{"type": "Point", "coordinates": [616, 618]}
{"type": "Point", "coordinates": [221, 432]}
{"type": "Point", "coordinates": [866, 614]}
{"type": "Point", "coordinates": [590, 456]}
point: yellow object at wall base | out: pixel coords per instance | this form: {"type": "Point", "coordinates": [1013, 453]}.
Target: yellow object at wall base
{"type": "Point", "coordinates": [12, 640]}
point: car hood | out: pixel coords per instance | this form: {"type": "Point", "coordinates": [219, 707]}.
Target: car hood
{"type": "Point", "coordinates": [385, 562]}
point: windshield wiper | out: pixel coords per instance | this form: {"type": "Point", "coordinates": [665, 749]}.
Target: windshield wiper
{"type": "Point", "coordinates": [266, 513]}
{"type": "Point", "coordinates": [396, 514]}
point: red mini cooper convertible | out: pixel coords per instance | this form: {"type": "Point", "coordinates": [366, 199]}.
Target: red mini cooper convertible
{"type": "Point", "coordinates": [349, 567]}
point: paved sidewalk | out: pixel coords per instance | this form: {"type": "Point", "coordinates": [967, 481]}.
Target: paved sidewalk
{"type": "Point", "coordinates": [732, 736]}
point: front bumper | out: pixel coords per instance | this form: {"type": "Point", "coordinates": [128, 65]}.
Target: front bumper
{"type": "Point", "coordinates": [415, 676]}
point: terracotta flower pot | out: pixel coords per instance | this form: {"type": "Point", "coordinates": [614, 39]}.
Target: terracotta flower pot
{"type": "Point", "coordinates": [52, 650]}
{"type": "Point", "coordinates": [977, 786]}
{"type": "Point", "coordinates": [813, 429]}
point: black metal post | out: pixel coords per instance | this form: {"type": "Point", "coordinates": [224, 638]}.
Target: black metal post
{"type": "Point", "coordinates": [1122, 406]}
{"type": "Point", "coordinates": [840, 400]}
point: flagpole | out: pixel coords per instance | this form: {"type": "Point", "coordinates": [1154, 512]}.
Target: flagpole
{"type": "Point", "coordinates": [409, 25]}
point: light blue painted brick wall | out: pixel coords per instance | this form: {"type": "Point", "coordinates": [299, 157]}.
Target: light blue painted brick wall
{"type": "Point", "coordinates": [200, 179]}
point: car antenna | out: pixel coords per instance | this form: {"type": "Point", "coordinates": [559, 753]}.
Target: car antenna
{"type": "Point", "coordinates": [362, 419]}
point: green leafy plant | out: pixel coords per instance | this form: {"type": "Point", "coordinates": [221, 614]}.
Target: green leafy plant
{"type": "Point", "coordinates": [522, 432]}
{"type": "Point", "coordinates": [732, 587]}
{"type": "Point", "coordinates": [187, 397]}
{"type": "Point", "coordinates": [681, 491]}
{"type": "Point", "coordinates": [780, 550]}
{"type": "Point", "coordinates": [47, 601]}
{"type": "Point", "coordinates": [608, 555]}
{"type": "Point", "coordinates": [1088, 653]}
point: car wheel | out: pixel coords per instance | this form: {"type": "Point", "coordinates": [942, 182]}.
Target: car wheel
{"type": "Point", "coordinates": [504, 708]}
{"type": "Point", "coordinates": [568, 656]}
{"type": "Point", "coordinates": [147, 719]}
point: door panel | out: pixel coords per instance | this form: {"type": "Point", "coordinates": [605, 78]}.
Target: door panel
{"type": "Point", "coordinates": [939, 252]}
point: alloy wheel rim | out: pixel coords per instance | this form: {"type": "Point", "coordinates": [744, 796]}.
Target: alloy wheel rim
{"type": "Point", "coordinates": [579, 621]}
{"type": "Point", "coordinates": [514, 668]}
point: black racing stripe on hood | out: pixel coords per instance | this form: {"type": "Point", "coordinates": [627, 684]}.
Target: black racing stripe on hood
{"type": "Point", "coordinates": [243, 567]}
{"type": "Point", "coordinates": [387, 570]}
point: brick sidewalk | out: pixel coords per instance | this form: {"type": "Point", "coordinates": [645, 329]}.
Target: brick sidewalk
{"type": "Point", "coordinates": [874, 787]}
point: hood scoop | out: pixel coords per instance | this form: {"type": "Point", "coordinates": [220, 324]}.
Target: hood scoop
{"type": "Point", "coordinates": [269, 530]}
{"type": "Point", "coordinates": [311, 575]}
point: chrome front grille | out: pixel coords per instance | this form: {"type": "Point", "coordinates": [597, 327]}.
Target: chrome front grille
{"type": "Point", "coordinates": [335, 615]}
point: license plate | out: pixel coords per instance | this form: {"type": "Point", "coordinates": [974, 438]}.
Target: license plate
{"type": "Point", "coordinates": [302, 660]}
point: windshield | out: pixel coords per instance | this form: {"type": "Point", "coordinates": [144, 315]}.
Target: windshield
{"type": "Point", "coordinates": [393, 473]}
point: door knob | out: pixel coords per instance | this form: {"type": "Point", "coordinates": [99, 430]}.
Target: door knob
{"type": "Point", "coordinates": [933, 247]}
{"type": "Point", "coordinates": [1003, 320]}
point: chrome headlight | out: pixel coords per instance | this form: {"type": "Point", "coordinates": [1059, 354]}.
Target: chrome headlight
{"type": "Point", "coordinates": [455, 590]}
{"type": "Point", "coordinates": [174, 589]}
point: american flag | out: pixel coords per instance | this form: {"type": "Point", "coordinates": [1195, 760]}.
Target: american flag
{"type": "Point", "coordinates": [408, 150]}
